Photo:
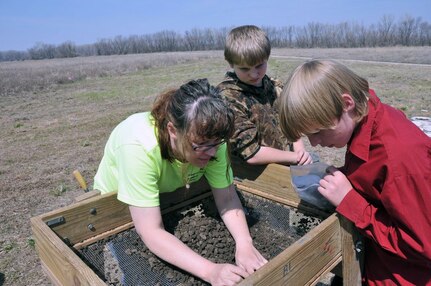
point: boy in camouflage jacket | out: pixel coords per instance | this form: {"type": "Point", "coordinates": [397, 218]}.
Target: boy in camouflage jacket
{"type": "Point", "coordinates": [254, 98]}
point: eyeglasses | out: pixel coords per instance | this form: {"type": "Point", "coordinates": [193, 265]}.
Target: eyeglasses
{"type": "Point", "coordinates": [206, 147]}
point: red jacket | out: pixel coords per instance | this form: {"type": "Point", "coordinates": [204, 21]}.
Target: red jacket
{"type": "Point", "coordinates": [388, 162]}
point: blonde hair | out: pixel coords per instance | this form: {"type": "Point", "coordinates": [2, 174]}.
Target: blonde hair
{"type": "Point", "coordinates": [247, 45]}
{"type": "Point", "coordinates": [312, 97]}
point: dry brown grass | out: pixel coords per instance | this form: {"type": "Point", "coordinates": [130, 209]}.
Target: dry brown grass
{"type": "Point", "coordinates": [413, 55]}
{"type": "Point", "coordinates": [51, 126]}
{"type": "Point", "coordinates": [32, 75]}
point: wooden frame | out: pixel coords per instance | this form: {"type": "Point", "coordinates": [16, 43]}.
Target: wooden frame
{"type": "Point", "coordinates": [60, 232]}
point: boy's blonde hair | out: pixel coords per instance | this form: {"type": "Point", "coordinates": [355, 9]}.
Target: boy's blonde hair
{"type": "Point", "coordinates": [312, 97]}
{"type": "Point", "coordinates": [246, 45]}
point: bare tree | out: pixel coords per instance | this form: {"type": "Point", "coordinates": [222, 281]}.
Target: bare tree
{"type": "Point", "coordinates": [220, 37]}
{"type": "Point", "coordinates": [191, 39]}
{"type": "Point", "coordinates": [386, 31]}
{"type": "Point", "coordinates": [406, 29]}
{"type": "Point", "coordinates": [424, 34]}
{"type": "Point", "coordinates": [166, 41]}
{"type": "Point", "coordinates": [13, 56]}
{"type": "Point", "coordinates": [120, 45]}
{"type": "Point", "coordinates": [66, 50]}
{"type": "Point", "coordinates": [85, 50]}
{"type": "Point", "coordinates": [42, 51]}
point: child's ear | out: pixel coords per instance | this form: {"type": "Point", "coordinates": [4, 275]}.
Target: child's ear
{"type": "Point", "coordinates": [172, 130]}
{"type": "Point", "coordinates": [349, 103]}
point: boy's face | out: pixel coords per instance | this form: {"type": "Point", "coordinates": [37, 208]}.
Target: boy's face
{"type": "Point", "coordinates": [251, 75]}
{"type": "Point", "coordinates": [337, 136]}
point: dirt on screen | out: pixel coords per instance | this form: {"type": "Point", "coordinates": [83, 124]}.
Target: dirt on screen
{"type": "Point", "coordinates": [124, 259]}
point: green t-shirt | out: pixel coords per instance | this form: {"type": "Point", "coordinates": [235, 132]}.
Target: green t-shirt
{"type": "Point", "coordinates": [132, 165]}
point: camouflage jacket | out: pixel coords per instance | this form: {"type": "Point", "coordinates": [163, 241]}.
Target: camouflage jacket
{"type": "Point", "coordinates": [256, 115]}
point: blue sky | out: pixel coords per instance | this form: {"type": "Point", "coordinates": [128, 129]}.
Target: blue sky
{"type": "Point", "coordinates": [24, 23]}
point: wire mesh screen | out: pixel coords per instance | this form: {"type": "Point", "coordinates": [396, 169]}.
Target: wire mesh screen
{"type": "Point", "coordinates": [123, 259]}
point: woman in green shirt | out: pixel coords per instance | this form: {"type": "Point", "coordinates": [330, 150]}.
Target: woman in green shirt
{"type": "Point", "coordinates": [179, 141]}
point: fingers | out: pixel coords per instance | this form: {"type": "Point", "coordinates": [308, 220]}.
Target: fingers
{"type": "Point", "coordinates": [331, 170]}
{"type": "Point", "coordinates": [334, 186]}
{"type": "Point", "coordinates": [251, 267]}
{"type": "Point", "coordinates": [227, 274]}
{"type": "Point", "coordinates": [304, 158]}
{"type": "Point", "coordinates": [249, 270]}
{"type": "Point", "coordinates": [309, 159]}
{"type": "Point", "coordinates": [241, 272]}
{"type": "Point", "coordinates": [256, 265]}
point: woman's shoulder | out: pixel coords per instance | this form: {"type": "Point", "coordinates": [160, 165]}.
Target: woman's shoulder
{"type": "Point", "coordinates": [138, 129]}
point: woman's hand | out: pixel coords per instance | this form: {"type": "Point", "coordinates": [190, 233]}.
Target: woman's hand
{"type": "Point", "coordinates": [248, 257]}
{"type": "Point", "coordinates": [226, 274]}
{"type": "Point", "coordinates": [334, 186]}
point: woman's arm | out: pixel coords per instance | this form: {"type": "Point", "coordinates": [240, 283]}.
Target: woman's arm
{"type": "Point", "coordinates": [232, 213]}
{"type": "Point", "coordinates": [149, 225]}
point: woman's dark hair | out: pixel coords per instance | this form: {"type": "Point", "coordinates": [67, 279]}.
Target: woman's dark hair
{"type": "Point", "coordinates": [196, 109]}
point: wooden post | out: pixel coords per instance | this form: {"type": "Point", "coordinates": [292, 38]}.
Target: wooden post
{"type": "Point", "coordinates": [352, 259]}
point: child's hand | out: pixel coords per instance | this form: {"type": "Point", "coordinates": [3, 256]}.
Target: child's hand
{"type": "Point", "coordinates": [303, 157]}
{"type": "Point", "coordinates": [334, 186]}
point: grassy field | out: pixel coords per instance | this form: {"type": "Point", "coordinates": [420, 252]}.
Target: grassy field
{"type": "Point", "coordinates": [56, 116]}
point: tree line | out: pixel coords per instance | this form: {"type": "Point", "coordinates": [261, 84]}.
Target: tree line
{"type": "Point", "coordinates": [407, 31]}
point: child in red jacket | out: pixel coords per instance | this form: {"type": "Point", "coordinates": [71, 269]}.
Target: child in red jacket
{"type": "Point", "coordinates": [384, 187]}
